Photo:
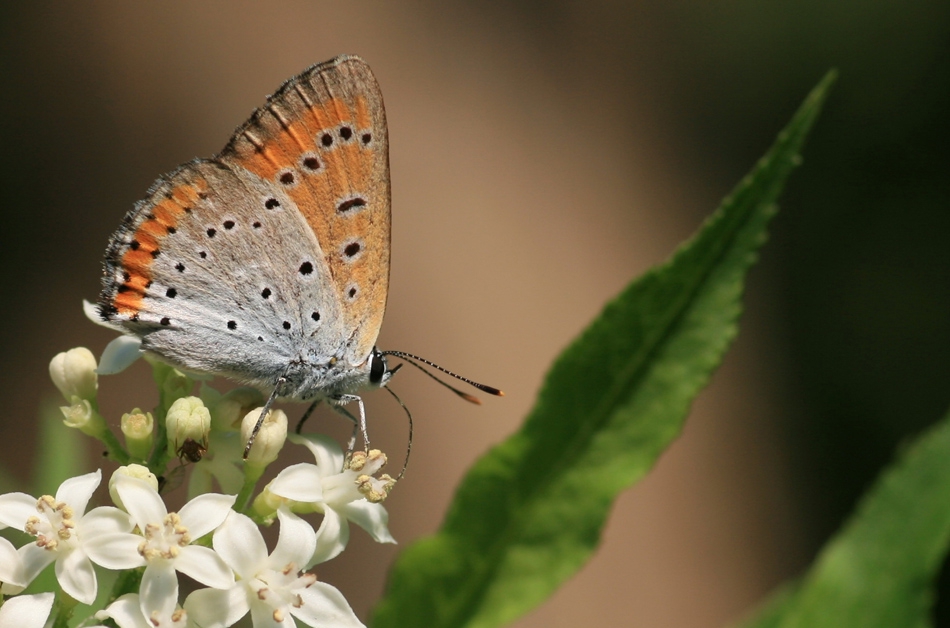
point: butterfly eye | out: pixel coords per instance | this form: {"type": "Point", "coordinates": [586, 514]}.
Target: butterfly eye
{"type": "Point", "coordinates": [377, 367]}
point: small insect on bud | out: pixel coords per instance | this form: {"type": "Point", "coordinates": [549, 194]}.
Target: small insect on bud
{"type": "Point", "coordinates": [188, 419]}
{"type": "Point", "coordinates": [191, 450]}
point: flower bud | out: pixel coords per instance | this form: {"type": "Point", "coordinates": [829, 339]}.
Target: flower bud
{"type": "Point", "coordinates": [172, 383]}
{"type": "Point", "coordinates": [74, 373]}
{"type": "Point", "coordinates": [133, 471]}
{"type": "Point", "coordinates": [233, 406]}
{"type": "Point", "coordinates": [138, 428]}
{"type": "Point", "coordinates": [177, 384]}
{"type": "Point", "coordinates": [77, 415]}
{"type": "Point", "coordinates": [188, 418]}
{"type": "Point", "coordinates": [269, 440]}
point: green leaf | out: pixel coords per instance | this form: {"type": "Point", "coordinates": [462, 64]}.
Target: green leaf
{"type": "Point", "coordinates": [880, 569]}
{"type": "Point", "coordinates": [531, 511]}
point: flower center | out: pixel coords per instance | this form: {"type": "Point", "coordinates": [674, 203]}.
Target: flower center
{"type": "Point", "coordinates": [164, 541]}
{"type": "Point", "coordinates": [366, 465]}
{"type": "Point", "coordinates": [54, 524]}
{"type": "Point", "coordinates": [179, 619]}
{"type": "Point", "coordinates": [280, 589]}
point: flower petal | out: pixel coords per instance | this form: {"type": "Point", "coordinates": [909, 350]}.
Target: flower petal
{"type": "Point", "coordinates": [295, 543]}
{"type": "Point", "coordinates": [262, 616]}
{"type": "Point", "coordinates": [35, 559]}
{"type": "Point", "coordinates": [103, 520]}
{"type": "Point", "coordinates": [126, 612]}
{"type": "Point", "coordinates": [141, 500]}
{"type": "Point", "coordinates": [205, 566]}
{"type": "Point", "coordinates": [371, 517]}
{"type": "Point", "coordinates": [239, 542]}
{"type": "Point", "coordinates": [332, 537]}
{"type": "Point", "coordinates": [9, 590]}
{"type": "Point", "coordinates": [205, 513]}
{"type": "Point", "coordinates": [15, 509]}
{"type": "Point", "coordinates": [159, 588]}
{"type": "Point", "coordinates": [26, 611]}
{"type": "Point", "coordinates": [324, 605]}
{"type": "Point", "coordinates": [114, 551]}
{"type": "Point", "coordinates": [76, 575]}
{"type": "Point", "coordinates": [11, 565]}
{"type": "Point", "coordinates": [217, 608]}
{"type": "Point", "coordinates": [77, 491]}
{"type": "Point", "coordinates": [119, 355]}
{"type": "Point", "coordinates": [299, 482]}
{"type": "Point", "coordinates": [325, 450]}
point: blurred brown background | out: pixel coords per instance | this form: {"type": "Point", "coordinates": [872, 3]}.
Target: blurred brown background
{"type": "Point", "coordinates": [543, 154]}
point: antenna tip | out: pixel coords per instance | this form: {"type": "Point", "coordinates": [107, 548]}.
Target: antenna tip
{"type": "Point", "coordinates": [470, 398]}
{"type": "Point", "coordinates": [491, 390]}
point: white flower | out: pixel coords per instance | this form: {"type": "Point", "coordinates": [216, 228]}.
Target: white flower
{"type": "Point", "coordinates": [26, 611]}
{"type": "Point", "coordinates": [270, 587]}
{"type": "Point", "coordinates": [127, 612]}
{"type": "Point", "coordinates": [168, 536]}
{"type": "Point", "coordinates": [132, 470]}
{"type": "Point", "coordinates": [340, 495]}
{"type": "Point", "coordinates": [67, 536]}
{"type": "Point", "coordinates": [11, 566]}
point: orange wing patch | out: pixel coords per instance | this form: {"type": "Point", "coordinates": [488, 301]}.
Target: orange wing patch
{"type": "Point", "coordinates": [160, 221]}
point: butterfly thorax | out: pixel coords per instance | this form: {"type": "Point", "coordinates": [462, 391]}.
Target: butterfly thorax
{"type": "Point", "coordinates": [306, 382]}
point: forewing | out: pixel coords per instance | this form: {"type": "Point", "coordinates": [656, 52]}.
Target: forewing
{"type": "Point", "coordinates": [322, 138]}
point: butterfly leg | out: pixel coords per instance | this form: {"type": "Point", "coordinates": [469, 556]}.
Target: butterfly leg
{"type": "Point", "coordinates": [339, 400]}
{"type": "Point", "coordinates": [351, 444]}
{"type": "Point", "coordinates": [306, 415]}
{"type": "Point", "coordinates": [264, 412]}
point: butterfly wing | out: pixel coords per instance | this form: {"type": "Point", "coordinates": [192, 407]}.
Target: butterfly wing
{"type": "Point", "coordinates": [322, 137]}
{"type": "Point", "coordinates": [274, 252]}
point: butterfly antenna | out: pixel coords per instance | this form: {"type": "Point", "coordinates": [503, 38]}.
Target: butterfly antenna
{"type": "Point", "coordinates": [409, 444]}
{"type": "Point", "coordinates": [461, 393]}
{"type": "Point", "coordinates": [467, 397]}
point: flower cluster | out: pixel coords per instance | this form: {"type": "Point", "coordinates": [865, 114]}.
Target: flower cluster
{"type": "Point", "coordinates": [215, 538]}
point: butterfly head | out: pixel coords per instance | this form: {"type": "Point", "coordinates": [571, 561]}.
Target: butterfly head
{"type": "Point", "coordinates": [379, 371]}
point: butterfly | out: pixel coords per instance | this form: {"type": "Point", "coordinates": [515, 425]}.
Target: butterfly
{"type": "Point", "coordinates": [268, 263]}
